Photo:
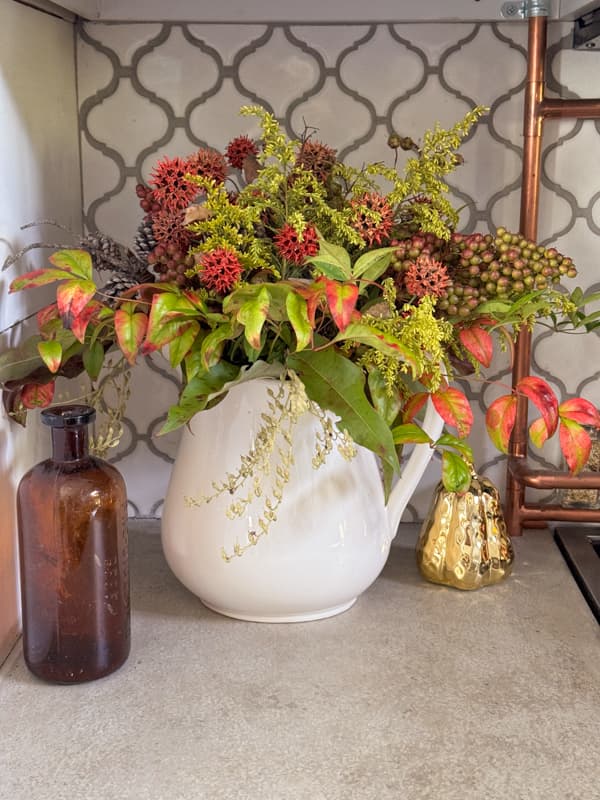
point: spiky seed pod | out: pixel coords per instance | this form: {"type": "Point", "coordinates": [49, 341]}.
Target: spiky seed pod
{"type": "Point", "coordinates": [238, 149]}
{"type": "Point", "coordinates": [373, 217]}
{"type": "Point", "coordinates": [317, 158]}
{"type": "Point", "coordinates": [208, 164]}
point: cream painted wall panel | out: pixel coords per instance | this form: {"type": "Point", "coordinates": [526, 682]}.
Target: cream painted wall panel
{"type": "Point", "coordinates": [40, 169]}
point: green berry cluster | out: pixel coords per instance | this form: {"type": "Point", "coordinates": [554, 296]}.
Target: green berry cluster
{"type": "Point", "coordinates": [483, 267]}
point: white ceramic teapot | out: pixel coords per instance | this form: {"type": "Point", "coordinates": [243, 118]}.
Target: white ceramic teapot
{"type": "Point", "coordinates": [333, 530]}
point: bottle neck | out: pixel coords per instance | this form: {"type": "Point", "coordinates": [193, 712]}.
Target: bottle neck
{"type": "Point", "coordinates": [70, 444]}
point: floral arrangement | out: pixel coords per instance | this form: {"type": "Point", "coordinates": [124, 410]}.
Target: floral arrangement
{"type": "Point", "coordinates": [276, 259]}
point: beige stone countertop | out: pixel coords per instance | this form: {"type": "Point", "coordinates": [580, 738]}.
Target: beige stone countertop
{"type": "Point", "coordinates": [419, 692]}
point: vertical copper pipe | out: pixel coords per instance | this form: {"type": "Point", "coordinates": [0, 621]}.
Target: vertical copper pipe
{"type": "Point", "coordinates": [532, 151]}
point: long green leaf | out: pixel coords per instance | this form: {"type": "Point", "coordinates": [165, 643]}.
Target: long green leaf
{"type": "Point", "coordinates": [384, 342]}
{"type": "Point", "coordinates": [337, 384]}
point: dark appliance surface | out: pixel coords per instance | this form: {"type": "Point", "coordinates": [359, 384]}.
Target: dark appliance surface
{"type": "Point", "coordinates": [580, 546]}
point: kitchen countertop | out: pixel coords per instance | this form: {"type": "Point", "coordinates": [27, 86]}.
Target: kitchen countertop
{"type": "Point", "coordinates": [417, 692]}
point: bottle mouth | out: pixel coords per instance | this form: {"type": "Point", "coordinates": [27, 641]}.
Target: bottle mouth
{"type": "Point", "coordinates": [68, 416]}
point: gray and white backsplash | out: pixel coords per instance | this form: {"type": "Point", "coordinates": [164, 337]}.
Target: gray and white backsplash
{"type": "Point", "coordinates": [150, 90]}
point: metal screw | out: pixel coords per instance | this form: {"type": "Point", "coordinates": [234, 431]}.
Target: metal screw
{"type": "Point", "coordinates": [511, 10]}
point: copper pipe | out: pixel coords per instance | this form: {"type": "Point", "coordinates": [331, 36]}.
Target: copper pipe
{"type": "Point", "coordinates": [537, 108]}
{"type": "Point", "coordinates": [551, 479]}
{"type": "Point", "coordinates": [574, 109]}
{"type": "Point", "coordinates": [538, 516]}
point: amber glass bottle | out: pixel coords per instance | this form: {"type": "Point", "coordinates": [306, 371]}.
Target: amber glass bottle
{"type": "Point", "coordinates": [72, 519]}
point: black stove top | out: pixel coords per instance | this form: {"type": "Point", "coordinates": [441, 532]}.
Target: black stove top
{"type": "Point", "coordinates": [580, 546]}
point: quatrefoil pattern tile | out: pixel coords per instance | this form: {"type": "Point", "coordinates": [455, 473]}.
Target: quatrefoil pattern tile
{"type": "Point", "coordinates": [149, 90]}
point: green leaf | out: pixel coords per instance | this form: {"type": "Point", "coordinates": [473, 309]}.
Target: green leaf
{"type": "Point", "coordinates": [384, 342]}
{"type": "Point", "coordinates": [51, 353]}
{"type": "Point", "coordinates": [77, 262]}
{"type": "Point", "coordinates": [456, 473]}
{"type": "Point", "coordinates": [410, 433]}
{"type": "Point", "coordinates": [447, 440]}
{"type": "Point", "coordinates": [180, 347]}
{"type": "Point", "coordinates": [297, 311]}
{"type": "Point", "coordinates": [332, 261]}
{"type": "Point", "coordinates": [197, 392]}
{"type": "Point", "coordinates": [388, 406]}
{"type": "Point", "coordinates": [373, 264]}
{"type": "Point", "coordinates": [337, 384]}
{"type": "Point", "coordinates": [252, 316]}
{"type": "Point", "coordinates": [93, 358]}
{"type": "Point", "coordinates": [212, 344]}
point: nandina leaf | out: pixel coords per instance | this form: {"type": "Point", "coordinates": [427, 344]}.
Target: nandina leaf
{"type": "Point", "coordinates": [332, 261]}
{"type": "Point", "coordinates": [447, 440]}
{"type": "Point", "coordinates": [78, 263]}
{"type": "Point", "coordinates": [538, 432]}
{"type": "Point", "coordinates": [542, 396]}
{"type": "Point", "coordinates": [575, 444]}
{"type": "Point", "coordinates": [38, 277]}
{"type": "Point", "coordinates": [252, 316]}
{"type": "Point", "coordinates": [409, 433]}
{"type": "Point", "coordinates": [93, 358]}
{"type": "Point", "coordinates": [80, 323]}
{"type": "Point", "coordinates": [212, 344]}
{"type": "Point", "coordinates": [456, 473]}
{"type": "Point", "coordinates": [297, 311]}
{"type": "Point", "coordinates": [385, 342]}
{"type": "Point", "coordinates": [180, 347]}
{"type": "Point", "coordinates": [47, 316]}
{"type": "Point", "coordinates": [413, 405]}
{"type": "Point", "coordinates": [313, 294]}
{"type": "Point", "coordinates": [454, 408]}
{"type": "Point", "coordinates": [372, 264]}
{"type": "Point", "coordinates": [341, 299]}
{"type": "Point", "coordinates": [169, 317]}
{"type": "Point", "coordinates": [130, 328]}
{"type": "Point", "coordinates": [500, 420]}
{"type": "Point", "coordinates": [72, 297]}
{"type": "Point", "coordinates": [478, 342]}
{"type": "Point", "coordinates": [579, 410]}
{"type": "Point", "coordinates": [37, 395]}
{"type": "Point", "coordinates": [51, 353]}
{"type": "Point", "coordinates": [387, 404]}
{"type": "Point", "coordinates": [338, 384]}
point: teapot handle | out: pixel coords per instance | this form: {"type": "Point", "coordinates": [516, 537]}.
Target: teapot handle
{"type": "Point", "coordinates": [414, 469]}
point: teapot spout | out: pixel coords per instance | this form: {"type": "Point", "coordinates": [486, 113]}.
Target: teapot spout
{"type": "Point", "coordinates": [413, 470]}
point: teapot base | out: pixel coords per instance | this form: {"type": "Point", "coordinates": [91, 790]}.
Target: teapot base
{"type": "Point", "coordinates": [308, 617]}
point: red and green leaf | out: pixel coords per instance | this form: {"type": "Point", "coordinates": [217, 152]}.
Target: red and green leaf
{"type": "Point", "coordinates": [542, 396]}
{"type": "Point", "coordinates": [538, 432]}
{"type": "Point", "coordinates": [454, 408]}
{"type": "Point", "coordinates": [72, 297]}
{"type": "Point", "coordinates": [579, 410]}
{"type": "Point", "coordinates": [478, 342]}
{"type": "Point", "coordinates": [93, 359]}
{"type": "Point", "coordinates": [341, 299]}
{"type": "Point", "coordinates": [413, 405]}
{"type": "Point", "coordinates": [37, 395]}
{"type": "Point", "coordinates": [575, 444]}
{"type": "Point", "coordinates": [500, 421]}
{"type": "Point", "coordinates": [51, 354]}
{"type": "Point", "coordinates": [386, 343]}
{"type": "Point", "coordinates": [38, 277]}
{"type": "Point", "coordinates": [130, 328]}
{"type": "Point", "coordinates": [80, 324]}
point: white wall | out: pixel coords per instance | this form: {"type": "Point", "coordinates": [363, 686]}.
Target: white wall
{"type": "Point", "coordinates": [40, 178]}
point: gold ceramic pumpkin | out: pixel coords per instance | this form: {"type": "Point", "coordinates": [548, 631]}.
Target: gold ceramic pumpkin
{"type": "Point", "coordinates": [464, 542]}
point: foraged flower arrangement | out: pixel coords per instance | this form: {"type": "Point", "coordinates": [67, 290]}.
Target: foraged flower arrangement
{"type": "Point", "coordinates": [276, 259]}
